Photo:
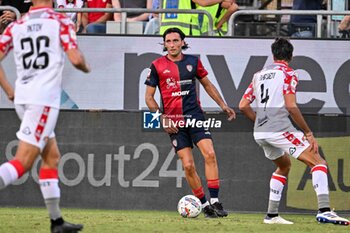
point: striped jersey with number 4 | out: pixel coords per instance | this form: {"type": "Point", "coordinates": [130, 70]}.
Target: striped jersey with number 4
{"type": "Point", "coordinates": [39, 40]}
{"type": "Point", "coordinates": [268, 88]}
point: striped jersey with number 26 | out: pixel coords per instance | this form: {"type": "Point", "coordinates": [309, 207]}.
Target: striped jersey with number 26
{"type": "Point", "coordinates": [39, 40]}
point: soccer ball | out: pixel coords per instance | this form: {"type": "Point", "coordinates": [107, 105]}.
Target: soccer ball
{"type": "Point", "coordinates": [189, 206]}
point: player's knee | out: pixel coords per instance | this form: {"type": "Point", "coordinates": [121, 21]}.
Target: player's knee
{"type": "Point", "coordinates": [210, 156]}
{"type": "Point", "coordinates": [314, 160]}
{"type": "Point", "coordinates": [286, 169]}
{"type": "Point", "coordinates": [319, 161]}
{"type": "Point", "coordinates": [189, 168]}
{"type": "Point", "coordinates": [51, 160]}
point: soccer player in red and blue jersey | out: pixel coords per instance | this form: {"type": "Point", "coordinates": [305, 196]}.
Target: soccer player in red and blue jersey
{"type": "Point", "coordinates": [175, 75]}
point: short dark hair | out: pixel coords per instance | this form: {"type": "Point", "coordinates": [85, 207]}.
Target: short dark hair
{"type": "Point", "coordinates": [178, 31]}
{"type": "Point", "coordinates": [282, 49]}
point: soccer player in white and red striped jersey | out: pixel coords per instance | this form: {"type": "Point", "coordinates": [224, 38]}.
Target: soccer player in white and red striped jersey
{"type": "Point", "coordinates": [40, 40]}
{"type": "Point", "coordinates": [273, 89]}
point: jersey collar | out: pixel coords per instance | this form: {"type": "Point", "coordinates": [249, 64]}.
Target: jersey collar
{"type": "Point", "coordinates": [39, 8]}
{"type": "Point", "coordinates": [281, 63]}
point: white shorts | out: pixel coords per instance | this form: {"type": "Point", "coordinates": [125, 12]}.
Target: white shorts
{"type": "Point", "coordinates": [37, 124]}
{"type": "Point", "coordinates": [292, 143]}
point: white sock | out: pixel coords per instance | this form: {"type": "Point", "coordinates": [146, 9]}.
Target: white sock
{"type": "Point", "coordinates": [213, 200]}
{"type": "Point", "coordinates": [320, 179]}
{"type": "Point", "coordinates": [8, 174]}
{"type": "Point", "coordinates": [277, 183]}
{"type": "Point", "coordinates": [320, 184]}
{"type": "Point", "coordinates": [49, 188]}
{"type": "Point", "coordinates": [51, 193]}
{"type": "Point", "coordinates": [205, 204]}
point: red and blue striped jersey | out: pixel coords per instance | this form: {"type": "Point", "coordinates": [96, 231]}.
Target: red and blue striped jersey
{"type": "Point", "coordinates": [177, 85]}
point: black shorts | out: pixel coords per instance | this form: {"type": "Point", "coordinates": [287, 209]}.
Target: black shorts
{"type": "Point", "coordinates": [186, 137]}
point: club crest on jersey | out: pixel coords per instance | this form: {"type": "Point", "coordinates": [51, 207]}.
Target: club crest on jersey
{"type": "Point", "coordinates": [26, 131]}
{"type": "Point", "coordinates": [189, 68]}
{"type": "Point", "coordinates": [292, 150]}
{"type": "Point", "coordinates": [174, 143]}
{"type": "Point", "coordinates": [170, 83]}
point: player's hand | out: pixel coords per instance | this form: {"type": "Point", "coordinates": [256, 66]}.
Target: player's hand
{"type": "Point", "coordinates": [168, 125]}
{"type": "Point", "coordinates": [8, 16]}
{"type": "Point", "coordinates": [311, 139]}
{"type": "Point", "coordinates": [230, 112]}
{"type": "Point", "coordinates": [11, 97]}
{"type": "Point", "coordinates": [87, 68]}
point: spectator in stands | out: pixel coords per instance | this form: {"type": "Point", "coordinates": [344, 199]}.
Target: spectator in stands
{"type": "Point", "coordinates": [8, 17]}
{"type": "Point", "coordinates": [220, 13]}
{"type": "Point", "coordinates": [304, 25]}
{"type": "Point", "coordinates": [188, 23]}
{"type": "Point", "coordinates": [345, 23]}
{"type": "Point", "coordinates": [69, 4]}
{"type": "Point", "coordinates": [132, 17]}
{"type": "Point", "coordinates": [95, 22]}
{"type": "Point", "coordinates": [153, 24]}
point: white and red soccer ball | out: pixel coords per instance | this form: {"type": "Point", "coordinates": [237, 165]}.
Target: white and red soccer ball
{"type": "Point", "coordinates": [189, 206]}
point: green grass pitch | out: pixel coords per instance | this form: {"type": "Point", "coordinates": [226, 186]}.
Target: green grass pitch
{"type": "Point", "coordinates": [35, 220]}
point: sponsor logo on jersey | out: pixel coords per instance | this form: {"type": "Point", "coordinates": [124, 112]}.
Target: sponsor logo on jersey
{"type": "Point", "coordinates": [27, 78]}
{"type": "Point", "coordinates": [185, 82]}
{"type": "Point", "coordinates": [170, 83]}
{"type": "Point", "coordinates": [180, 93]}
{"type": "Point", "coordinates": [262, 121]}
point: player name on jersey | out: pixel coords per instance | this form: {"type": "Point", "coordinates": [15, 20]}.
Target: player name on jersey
{"type": "Point", "coordinates": [34, 27]}
{"type": "Point", "coordinates": [267, 76]}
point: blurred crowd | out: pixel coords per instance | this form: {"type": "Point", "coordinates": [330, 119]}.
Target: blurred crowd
{"type": "Point", "coordinates": [155, 24]}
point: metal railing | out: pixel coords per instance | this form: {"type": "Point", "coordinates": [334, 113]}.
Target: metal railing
{"type": "Point", "coordinates": [319, 14]}
{"type": "Point", "coordinates": [125, 11]}
{"type": "Point", "coordinates": [10, 8]}
{"type": "Point", "coordinates": [231, 22]}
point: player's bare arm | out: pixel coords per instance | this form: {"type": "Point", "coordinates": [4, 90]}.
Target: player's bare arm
{"type": "Point", "coordinates": [246, 109]}
{"type": "Point", "coordinates": [153, 107]}
{"type": "Point", "coordinates": [5, 85]}
{"type": "Point", "coordinates": [294, 112]}
{"type": "Point", "coordinates": [215, 95]}
{"type": "Point", "coordinates": [77, 59]}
